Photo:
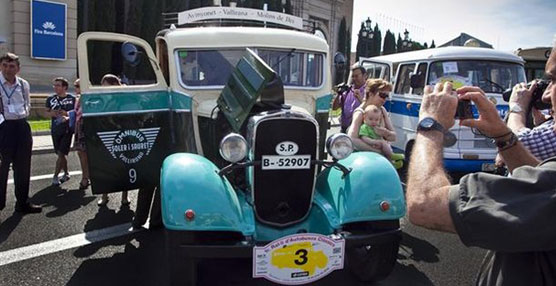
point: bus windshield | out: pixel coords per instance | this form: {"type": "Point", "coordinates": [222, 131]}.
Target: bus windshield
{"type": "Point", "coordinates": [201, 68]}
{"type": "Point", "coordinates": [490, 76]}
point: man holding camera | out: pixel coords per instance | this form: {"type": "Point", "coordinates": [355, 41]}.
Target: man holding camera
{"type": "Point", "coordinates": [541, 140]}
{"type": "Point", "coordinates": [511, 217]}
{"type": "Point", "coordinates": [351, 99]}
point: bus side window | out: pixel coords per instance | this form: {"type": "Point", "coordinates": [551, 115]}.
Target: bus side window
{"type": "Point", "coordinates": [403, 83]}
{"type": "Point", "coordinates": [422, 71]}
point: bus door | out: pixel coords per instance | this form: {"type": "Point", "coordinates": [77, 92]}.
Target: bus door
{"type": "Point", "coordinates": [404, 106]}
{"type": "Point", "coordinates": [126, 119]}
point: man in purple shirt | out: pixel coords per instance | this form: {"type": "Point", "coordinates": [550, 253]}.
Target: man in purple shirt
{"type": "Point", "coordinates": [352, 98]}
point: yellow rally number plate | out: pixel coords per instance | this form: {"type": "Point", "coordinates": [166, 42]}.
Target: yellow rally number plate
{"type": "Point", "coordinates": [298, 259]}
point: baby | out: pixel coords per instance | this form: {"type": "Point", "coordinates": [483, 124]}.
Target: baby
{"type": "Point", "coordinates": [371, 119]}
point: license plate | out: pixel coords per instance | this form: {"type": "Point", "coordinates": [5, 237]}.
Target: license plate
{"type": "Point", "coordinates": [488, 167]}
{"type": "Point", "coordinates": [286, 162]}
{"type": "Point", "coordinates": [298, 258]}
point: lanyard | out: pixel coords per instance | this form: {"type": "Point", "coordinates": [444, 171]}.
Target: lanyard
{"type": "Point", "coordinates": [11, 94]}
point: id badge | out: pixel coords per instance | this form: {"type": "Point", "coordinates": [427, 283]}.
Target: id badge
{"type": "Point", "coordinates": [17, 109]}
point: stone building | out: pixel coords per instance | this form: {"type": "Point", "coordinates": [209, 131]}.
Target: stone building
{"type": "Point", "coordinates": [15, 36]}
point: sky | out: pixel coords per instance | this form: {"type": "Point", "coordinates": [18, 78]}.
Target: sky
{"type": "Point", "coordinates": [505, 24]}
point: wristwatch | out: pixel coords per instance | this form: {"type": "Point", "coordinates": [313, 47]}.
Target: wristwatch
{"type": "Point", "coordinates": [429, 124]}
{"type": "Point", "coordinates": [506, 144]}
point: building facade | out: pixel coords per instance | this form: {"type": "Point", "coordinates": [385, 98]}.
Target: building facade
{"type": "Point", "coordinates": [15, 33]}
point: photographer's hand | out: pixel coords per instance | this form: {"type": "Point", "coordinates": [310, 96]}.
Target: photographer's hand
{"type": "Point", "coordinates": [489, 121]}
{"type": "Point", "coordinates": [491, 125]}
{"type": "Point", "coordinates": [521, 95]}
{"type": "Point", "coordinates": [440, 104]}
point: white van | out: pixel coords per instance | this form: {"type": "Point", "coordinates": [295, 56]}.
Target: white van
{"type": "Point", "coordinates": [493, 71]}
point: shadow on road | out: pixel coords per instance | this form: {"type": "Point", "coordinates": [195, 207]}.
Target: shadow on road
{"type": "Point", "coordinates": [63, 200]}
{"type": "Point", "coordinates": [104, 218]}
{"type": "Point", "coordinates": [417, 249]}
{"type": "Point", "coordinates": [141, 263]}
{"type": "Point", "coordinates": [404, 275]}
{"type": "Point", "coordinates": [8, 226]}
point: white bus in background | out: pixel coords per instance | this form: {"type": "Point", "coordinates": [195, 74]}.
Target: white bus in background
{"type": "Point", "coordinates": [493, 71]}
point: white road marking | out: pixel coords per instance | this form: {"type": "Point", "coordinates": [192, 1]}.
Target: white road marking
{"type": "Point", "coordinates": [48, 247]}
{"type": "Point", "coordinates": [42, 177]}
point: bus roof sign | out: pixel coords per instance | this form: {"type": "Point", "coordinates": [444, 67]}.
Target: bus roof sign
{"type": "Point", "coordinates": [215, 13]}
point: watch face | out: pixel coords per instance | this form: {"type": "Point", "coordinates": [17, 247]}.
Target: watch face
{"type": "Point", "coordinates": [427, 123]}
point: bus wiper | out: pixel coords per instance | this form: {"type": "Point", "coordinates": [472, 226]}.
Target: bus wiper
{"type": "Point", "coordinates": [494, 83]}
{"type": "Point", "coordinates": [282, 58]}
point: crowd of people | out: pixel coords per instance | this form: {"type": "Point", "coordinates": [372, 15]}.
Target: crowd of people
{"type": "Point", "coordinates": [66, 114]}
{"type": "Point", "coordinates": [508, 215]}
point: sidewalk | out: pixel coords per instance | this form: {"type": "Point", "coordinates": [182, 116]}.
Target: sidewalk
{"type": "Point", "coordinates": [42, 143]}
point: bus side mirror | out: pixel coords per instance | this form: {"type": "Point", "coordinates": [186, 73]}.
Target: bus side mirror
{"type": "Point", "coordinates": [417, 80]}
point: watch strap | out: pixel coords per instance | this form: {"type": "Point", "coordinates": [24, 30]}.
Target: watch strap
{"type": "Point", "coordinates": [507, 143]}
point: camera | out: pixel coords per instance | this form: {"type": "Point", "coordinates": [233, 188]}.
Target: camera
{"type": "Point", "coordinates": [536, 97]}
{"type": "Point", "coordinates": [464, 110]}
{"type": "Point", "coordinates": [341, 88]}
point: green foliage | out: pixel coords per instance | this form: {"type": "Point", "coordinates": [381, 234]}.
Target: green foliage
{"type": "Point", "coordinates": [399, 44]}
{"type": "Point", "coordinates": [433, 45]}
{"type": "Point", "coordinates": [343, 48]}
{"type": "Point", "coordinates": [389, 43]}
{"type": "Point", "coordinates": [376, 42]}
{"type": "Point", "coordinates": [288, 7]}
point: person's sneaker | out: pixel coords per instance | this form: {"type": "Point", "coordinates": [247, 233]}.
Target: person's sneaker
{"type": "Point", "coordinates": [55, 181]}
{"type": "Point", "coordinates": [28, 208]}
{"type": "Point", "coordinates": [65, 178]}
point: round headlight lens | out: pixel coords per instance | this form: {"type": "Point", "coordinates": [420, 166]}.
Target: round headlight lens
{"type": "Point", "coordinates": [339, 146]}
{"type": "Point", "coordinates": [233, 148]}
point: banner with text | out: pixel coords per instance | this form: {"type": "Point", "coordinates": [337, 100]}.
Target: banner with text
{"type": "Point", "coordinates": [212, 13]}
{"type": "Point", "coordinates": [48, 30]}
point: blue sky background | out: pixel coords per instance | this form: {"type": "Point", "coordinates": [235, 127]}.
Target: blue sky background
{"type": "Point", "coordinates": [505, 24]}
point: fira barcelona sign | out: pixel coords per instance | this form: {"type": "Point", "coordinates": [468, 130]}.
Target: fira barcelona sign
{"type": "Point", "coordinates": [48, 30]}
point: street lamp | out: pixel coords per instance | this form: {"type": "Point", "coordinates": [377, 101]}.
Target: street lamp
{"type": "Point", "coordinates": [406, 42]}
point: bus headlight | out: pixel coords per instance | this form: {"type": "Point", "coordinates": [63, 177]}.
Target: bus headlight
{"type": "Point", "coordinates": [339, 146]}
{"type": "Point", "coordinates": [233, 148]}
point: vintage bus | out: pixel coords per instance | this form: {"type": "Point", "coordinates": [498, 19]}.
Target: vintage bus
{"type": "Point", "coordinates": [491, 70]}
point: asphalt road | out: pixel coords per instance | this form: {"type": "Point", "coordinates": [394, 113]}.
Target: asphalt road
{"type": "Point", "coordinates": [74, 242]}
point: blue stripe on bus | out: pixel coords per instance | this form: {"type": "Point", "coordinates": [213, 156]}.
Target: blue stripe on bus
{"type": "Point", "coordinates": [462, 165]}
{"type": "Point", "coordinates": [400, 107]}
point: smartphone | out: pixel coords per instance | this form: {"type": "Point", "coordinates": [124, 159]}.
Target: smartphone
{"type": "Point", "coordinates": [464, 110]}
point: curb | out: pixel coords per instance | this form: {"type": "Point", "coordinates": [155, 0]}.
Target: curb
{"type": "Point", "coordinates": [40, 133]}
{"type": "Point", "coordinates": [41, 151]}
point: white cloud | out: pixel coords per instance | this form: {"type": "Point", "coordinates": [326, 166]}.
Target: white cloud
{"type": "Point", "coordinates": [505, 24]}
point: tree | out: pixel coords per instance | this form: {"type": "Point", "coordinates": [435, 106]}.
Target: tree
{"type": "Point", "coordinates": [389, 43]}
{"type": "Point", "coordinates": [426, 46]}
{"type": "Point", "coordinates": [433, 45]}
{"type": "Point", "coordinates": [288, 7]}
{"type": "Point", "coordinates": [376, 42]}
{"type": "Point", "coordinates": [342, 48]}
{"type": "Point", "coordinates": [399, 44]}
{"type": "Point", "coordinates": [361, 42]}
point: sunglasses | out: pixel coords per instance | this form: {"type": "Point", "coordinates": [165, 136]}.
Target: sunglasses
{"type": "Point", "coordinates": [383, 95]}
{"type": "Point", "coordinates": [76, 86]}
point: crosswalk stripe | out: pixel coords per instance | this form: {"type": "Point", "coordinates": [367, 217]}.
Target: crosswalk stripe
{"type": "Point", "coordinates": [42, 177]}
{"type": "Point", "coordinates": [56, 245]}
